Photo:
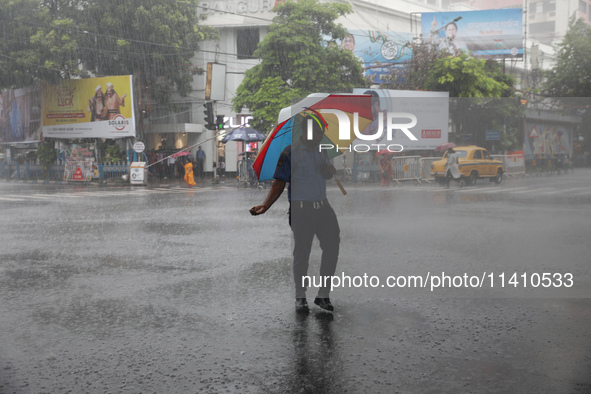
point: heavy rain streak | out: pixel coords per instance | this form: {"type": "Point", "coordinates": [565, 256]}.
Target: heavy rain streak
{"type": "Point", "coordinates": [224, 196]}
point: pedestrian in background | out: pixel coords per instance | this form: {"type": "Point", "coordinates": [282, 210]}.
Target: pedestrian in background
{"type": "Point", "coordinates": [452, 170]}
{"type": "Point", "coordinates": [385, 170]}
{"type": "Point", "coordinates": [171, 167]}
{"type": "Point", "coordinates": [189, 178]}
{"type": "Point", "coordinates": [200, 156]}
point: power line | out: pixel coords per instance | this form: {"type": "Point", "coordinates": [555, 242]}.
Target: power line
{"type": "Point", "coordinates": [93, 34]}
{"type": "Point", "coordinates": [235, 13]}
{"type": "Point", "coordinates": [86, 32]}
{"type": "Point", "coordinates": [31, 64]}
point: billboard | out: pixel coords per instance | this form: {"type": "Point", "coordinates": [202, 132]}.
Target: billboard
{"type": "Point", "coordinates": [20, 115]}
{"type": "Point", "coordinates": [544, 138]}
{"type": "Point", "coordinates": [426, 115]}
{"type": "Point", "coordinates": [378, 51]}
{"type": "Point", "coordinates": [89, 108]}
{"type": "Point", "coordinates": [484, 34]}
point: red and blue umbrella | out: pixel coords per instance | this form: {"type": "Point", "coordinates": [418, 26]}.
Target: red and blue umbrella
{"type": "Point", "coordinates": [319, 104]}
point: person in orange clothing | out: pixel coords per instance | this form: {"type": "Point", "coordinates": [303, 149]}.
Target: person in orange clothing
{"type": "Point", "coordinates": [189, 174]}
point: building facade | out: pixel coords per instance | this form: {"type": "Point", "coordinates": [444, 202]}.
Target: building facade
{"type": "Point", "coordinates": [242, 24]}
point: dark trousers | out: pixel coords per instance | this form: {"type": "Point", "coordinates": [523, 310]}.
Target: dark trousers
{"type": "Point", "coordinates": [307, 221]}
{"type": "Point", "coordinates": [200, 167]}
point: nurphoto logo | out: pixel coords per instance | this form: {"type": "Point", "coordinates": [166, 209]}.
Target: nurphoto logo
{"type": "Point", "coordinates": [393, 123]}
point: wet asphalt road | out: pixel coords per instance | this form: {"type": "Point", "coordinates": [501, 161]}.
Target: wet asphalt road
{"type": "Point", "coordinates": [171, 290]}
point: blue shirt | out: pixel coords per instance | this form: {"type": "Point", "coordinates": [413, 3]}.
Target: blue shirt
{"type": "Point", "coordinates": [301, 166]}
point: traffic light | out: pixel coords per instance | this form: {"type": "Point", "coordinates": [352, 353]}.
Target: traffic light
{"type": "Point", "coordinates": [219, 122]}
{"type": "Point", "coordinates": [209, 119]}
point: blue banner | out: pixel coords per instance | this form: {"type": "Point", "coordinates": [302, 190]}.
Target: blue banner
{"type": "Point", "coordinates": [378, 51]}
{"type": "Point", "coordinates": [483, 34]}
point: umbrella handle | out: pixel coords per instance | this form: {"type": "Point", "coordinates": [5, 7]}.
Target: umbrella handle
{"type": "Point", "coordinates": [340, 186]}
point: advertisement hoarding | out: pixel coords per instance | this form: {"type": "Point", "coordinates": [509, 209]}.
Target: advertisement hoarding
{"type": "Point", "coordinates": [425, 113]}
{"type": "Point", "coordinates": [484, 34]}
{"type": "Point", "coordinates": [545, 138]}
{"type": "Point", "coordinates": [89, 108]}
{"type": "Point", "coordinates": [20, 115]}
{"type": "Point", "coordinates": [378, 51]}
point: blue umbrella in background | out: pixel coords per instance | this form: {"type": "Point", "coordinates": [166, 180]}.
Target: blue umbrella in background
{"type": "Point", "coordinates": [244, 134]}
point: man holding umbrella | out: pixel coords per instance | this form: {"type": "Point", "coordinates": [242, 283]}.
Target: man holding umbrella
{"type": "Point", "coordinates": [303, 165]}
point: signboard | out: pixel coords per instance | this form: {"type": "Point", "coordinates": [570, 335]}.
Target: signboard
{"type": "Point", "coordinates": [484, 34]}
{"type": "Point", "coordinates": [20, 115]}
{"type": "Point", "coordinates": [548, 139]}
{"type": "Point", "coordinates": [430, 110]}
{"type": "Point", "coordinates": [378, 50]}
{"type": "Point", "coordinates": [79, 152]}
{"type": "Point", "coordinates": [215, 82]}
{"type": "Point", "coordinates": [89, 108]}
{"type": "Point", "coordinates": [139, 147]}
{"type": "Point", "coordinates": [493, 135]}
{"type": "Point", "coordinates": [534, 133]}
{"type": "Point", "coordinates": [78, 175]}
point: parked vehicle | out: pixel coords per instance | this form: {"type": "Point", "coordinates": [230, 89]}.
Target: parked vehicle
{"type": "Point", "coordinates": [474, 162]}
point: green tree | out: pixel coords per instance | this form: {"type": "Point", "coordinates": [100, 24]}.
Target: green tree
{"type": "Point", "coordinates": [24, 60]}
{"type": "Point", "coordinates": [111, 154]}
{"type": "Point", "coordinates": [465, 76]}
{"type": "Point", "coordinates": [413, 75]}
{"type": "Point", "coordinates": [475, 82]}
{"type": "Point", "coordinates": [296, 60]}
{"type": "Point", "coordinates": [50, 40]}
{"type": "Point", "coordinates": [571, 76]}
{"type": "Point", "coordinates": [471, 83]}
{"type": "Point", "coordinates": [47, 156]}
{"type": "Point", "coordinates": [569, 81]}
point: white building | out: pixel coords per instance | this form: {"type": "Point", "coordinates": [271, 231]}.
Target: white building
{"type": "Point", "coordinates": [243, 23]}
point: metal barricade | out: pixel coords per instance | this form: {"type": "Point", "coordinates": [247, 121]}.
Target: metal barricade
{"type": "Point", "coordinates": [514, 165]}
{"type": "Point", "coordinates": [241, 173]}
{"type": "Point", "coordinates": [364, 172]}
{"type": "Point", "coordinates": [78, 171]}
{"type": "Point", "coordinates": [425, 164]}
{"type": "Point", "coordinates": [112, 172]}
{"type": "Point", "coordinates": [406, 168]}
{"type": "Point", "coordinates": [29, 171]}
{"type": "Point", "coordinates": [245, 175]}
{"type": "Point", "coordinates": [544, 164]}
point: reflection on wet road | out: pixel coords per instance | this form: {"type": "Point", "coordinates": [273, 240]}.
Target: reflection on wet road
{"type": "Point", "coordinates": [181, 290]}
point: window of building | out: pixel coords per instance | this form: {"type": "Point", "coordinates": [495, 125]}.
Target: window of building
{"type": "Point", "coordinates": [184, 115]}
{"type": "Point", "coordinates": [542, 28]}
{"type": "Point", "coordinates": [549, 6]}
{"type": "Point", "coordinates": [247, 41]}
{"type": "Point", "coordinates": [582, 6]}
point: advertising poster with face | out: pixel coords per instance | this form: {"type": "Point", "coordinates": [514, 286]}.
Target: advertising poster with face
{"type": "Point", "coordinates": [89, 108]}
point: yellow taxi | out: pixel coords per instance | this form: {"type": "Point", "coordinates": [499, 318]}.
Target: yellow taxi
{"type": "Point", "coordinates": [474, 162]}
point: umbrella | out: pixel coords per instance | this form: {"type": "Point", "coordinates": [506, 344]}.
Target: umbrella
{"type": "Point", "coordinates": [183, 153]}
{"type": "Point", "coordinates": [288, 121]}
{"type": "Point", "coordinates": [444, 146]}
{"type": "Point", "coordinates": [385, 152]}
{"type": "Point", "coordinates": [244, 134]}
